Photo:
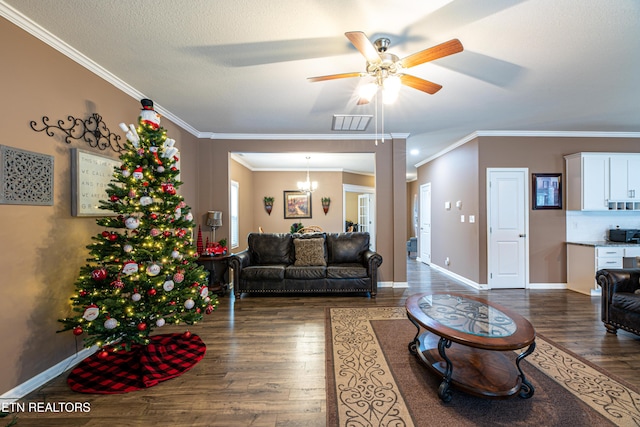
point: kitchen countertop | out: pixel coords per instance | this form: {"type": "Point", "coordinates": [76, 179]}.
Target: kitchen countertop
{"type": "Point", "coordinates": [604, 243]}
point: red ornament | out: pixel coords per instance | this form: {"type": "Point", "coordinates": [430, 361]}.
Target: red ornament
{"type": "Point", "coordinates": [152, 291]}
{"type": "Point", "coordinates": [166, 233]}
{"type": "Point", "coordinates": [209, 309]}
{"type": "Point", "coordinates": [153, 216]}
{"type": "Point", "coordinates": [105, 233]}
{"type": "Point", "coordinates": [113, 236]}
{"type": "Point", "coordinates": [187, 334]}
{"type": "Point", "coordinates": [99, 274]}
{"type": "Point", "coordinates": [142, 326]}
{"type": "Point", "coordinates": [77, 331]}
{"type": "Point", "coordinates": [114, 198]}
{"type": "Point", "coordinates": [118, 284]}
{"type": "Point", "coordinates": [103, 354]}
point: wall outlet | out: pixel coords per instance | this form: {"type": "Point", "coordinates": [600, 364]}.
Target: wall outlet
{"type": "Point", "coordinates": [461, 218]}
{"type": "Point", "coordinates": [472, 218]}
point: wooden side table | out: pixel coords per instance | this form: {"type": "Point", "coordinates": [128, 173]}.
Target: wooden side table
{"type": "Point", "coordinates": [217, 266]}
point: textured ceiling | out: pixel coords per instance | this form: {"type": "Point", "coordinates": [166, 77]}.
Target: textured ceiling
{"type": "Point", "coordinates": [231, 69]}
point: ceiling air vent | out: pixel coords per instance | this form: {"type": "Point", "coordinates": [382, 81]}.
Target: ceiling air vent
{"type": "Point", "coordinates": [350, 122]}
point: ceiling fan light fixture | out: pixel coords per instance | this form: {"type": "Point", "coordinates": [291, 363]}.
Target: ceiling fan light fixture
{"type": "Point", "coordinates": [390, 89]}
{"type": "Point", "coordinates": [367, 91]}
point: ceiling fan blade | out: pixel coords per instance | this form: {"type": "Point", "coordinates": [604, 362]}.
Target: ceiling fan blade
{"type": "Point", "coordinates": [366, 48]}
{"type": "Point", "coordinates": [432, 53]}
{"type": "Point", "coordinates": [334, 76]}
{"type": "Point", "coordinates": [362, 101]}
{"type": "Point", "coordinates": [420, 84]}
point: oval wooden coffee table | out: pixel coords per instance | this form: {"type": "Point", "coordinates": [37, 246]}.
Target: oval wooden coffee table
{"type": "Point", "coordinates": [468, 341]}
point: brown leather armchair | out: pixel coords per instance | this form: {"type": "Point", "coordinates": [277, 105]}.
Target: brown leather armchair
{"type": "Point", "coordinates": [620, 299]}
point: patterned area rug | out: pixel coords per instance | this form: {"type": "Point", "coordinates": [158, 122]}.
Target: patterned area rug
{"type": "Point", "coordinates": [373, 380]}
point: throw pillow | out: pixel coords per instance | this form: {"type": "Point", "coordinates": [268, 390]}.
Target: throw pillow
{"type": "Point", "coordinates": [309, 252]}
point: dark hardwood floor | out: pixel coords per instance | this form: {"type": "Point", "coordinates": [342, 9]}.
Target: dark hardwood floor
{"type": "Point", "coordinates": [264, 364]}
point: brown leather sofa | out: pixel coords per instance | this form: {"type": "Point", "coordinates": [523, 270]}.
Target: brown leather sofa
{"type": "Point", "coordinates": [620, 302]}
{"type": "Point", "coordinates": [306, 263]}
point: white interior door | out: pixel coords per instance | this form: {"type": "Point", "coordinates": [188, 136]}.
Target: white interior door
{"type": "Point", "coordinates": [425, 223]}
{"type": "Point", "coordinates": [365, 217]}
{"type": "Point", "coordinates": [507, 207]}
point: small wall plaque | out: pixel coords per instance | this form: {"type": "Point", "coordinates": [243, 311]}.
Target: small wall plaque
{"type": "Point", "coordinates": [26, 178]}
{"type": "Point", "coordinates": [90, 177]}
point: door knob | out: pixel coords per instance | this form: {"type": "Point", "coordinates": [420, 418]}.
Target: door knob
{"type": "Point", "coordinates": [522, 235]}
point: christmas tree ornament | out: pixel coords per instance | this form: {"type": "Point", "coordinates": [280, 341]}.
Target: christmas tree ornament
{"type": "Point", "coordinates": [99, 274]}
{"type": "Point", "coordinates": [136, 297]}
{"type": "Point", "coordinates": [77, 331]}
{"type": "Point", "coordinates": [152, 292]}
{"type": "Point", "coordinates": [113, 236]}
{"type": "Point", "coordinates": [126, 173]}
{"type": "Point", "coordinates": [145, 201]}
{"type": "Point", "coordinates": [137, 173]}
{"type": "Point", "coordinates": [187, 334]}
{"type": "Point", "coordinates": [175, 254]}
{"type": "Point", "coordinates": [154, 232]}
{"type": "Point", "coordinates": [209, 309]}
{"type": "Point", "coordinates": [118, 284]}
{"type": "Point", "coordinates": [132, 223]}
{"type": "Point", "coordinates": [110, 323]}
{"type": "Point", "coordinates": [105, 234]}
{"type": "Point", "coordinates": [127, 248]}
{"type": "Point", "coordinates": [204, 292]}
{"type": "Point", "coordinates": [132, 193]}
{"type": "Point", "coordinates": [160, 169]}
{"type": "Point", "coordinates": [166, 233]}
{"type": "Point", "coordinates": [168, 285]}
{"type": "Point", "coordinates": [130, 267]}
{"type": "Point", "coordinates": [148, 115]}
{"type": "Point", "coordinates": [114, 198]}
{"type": "Point", "coordinates": [160, 322]}
{"type": "Point", "coordinates": [153, 269]}
{"type": "Point", "coordinates": [189, 304]}
{"type": "Point", "coordinates": [103, 354]}
{"type": "Point", "coordinates": [189, 217]}
{"type": "Point", "coordinates": [91, 312]}
{"type": "Point", "coordinates": [178, 277]}
{"type": "Point", "coordinates": [153, 216]}
{"type": "Point", "coordinates": [141, 326]}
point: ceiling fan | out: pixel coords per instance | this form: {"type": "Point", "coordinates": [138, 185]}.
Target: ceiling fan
{"type": "Point", "coordinates": [387, 69]}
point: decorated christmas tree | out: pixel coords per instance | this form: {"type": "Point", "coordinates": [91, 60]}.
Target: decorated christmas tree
{"type": "Point", "coordinates": [141, 274]}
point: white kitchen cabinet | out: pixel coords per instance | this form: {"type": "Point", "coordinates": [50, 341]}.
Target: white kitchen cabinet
{"type": "Point", "coordinates": [587, 182]}
{"type": "Point", "coordinates": [624, 181]}
{"type": "Point", "coordinates": [603, 181]}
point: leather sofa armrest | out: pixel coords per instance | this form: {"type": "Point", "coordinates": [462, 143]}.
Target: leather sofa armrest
{"type": "Point", "coordinates": [372, 260]}
{"type": "Point", "coordinates": [614, 280]}
{"type": "Point", "coordinates": [240, 260]}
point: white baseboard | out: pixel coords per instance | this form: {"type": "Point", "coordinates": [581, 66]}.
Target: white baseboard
{"type": "Point", "coordinates": [398, 285]}
{"type": "Point", "coordinates": [385, 284]}
{"type": "Point", "coordinates": [44, 377]}
{"type": "Point", "coordinates": [459, 278]}
{"type": "Point", "coordinates": [547, 286]}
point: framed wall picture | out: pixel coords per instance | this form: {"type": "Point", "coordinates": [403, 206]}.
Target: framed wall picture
{"type": "Point", "coordinates": [90, 177]}
{"type": "Point", "coordinates": [297, 205]}
{"type": "Point", "coordinates": [547, 191]}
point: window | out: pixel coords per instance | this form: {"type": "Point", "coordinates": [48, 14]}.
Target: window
{"type": "Point", "coordinates": [234, 209]}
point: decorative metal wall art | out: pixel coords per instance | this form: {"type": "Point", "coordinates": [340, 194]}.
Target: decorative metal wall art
{"type": "Point", "coordinates": [26, 178]}
{"type": "Point", "coordinates": [92, 130]}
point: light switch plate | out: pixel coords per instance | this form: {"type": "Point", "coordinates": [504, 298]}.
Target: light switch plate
{"type": "Point", "coordinates": [472, 218]}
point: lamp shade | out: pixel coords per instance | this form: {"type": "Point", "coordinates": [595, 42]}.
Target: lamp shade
{"type": "Point", "coordinates": [214, 218]}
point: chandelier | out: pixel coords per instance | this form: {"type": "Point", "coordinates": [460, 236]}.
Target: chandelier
{"type": "Point", "coordinates": [307, 186]}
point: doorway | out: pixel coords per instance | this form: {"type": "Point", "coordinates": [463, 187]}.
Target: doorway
{"type": "Point", "coordinates": [507, 228]}
{"type": "Point", "coordinates": [425, 223]}
{"type": "Point", "coordinates": [359, 209]}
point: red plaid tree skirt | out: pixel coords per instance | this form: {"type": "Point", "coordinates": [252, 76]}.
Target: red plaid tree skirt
{"type": "Point", "coordinates": [167, 356]}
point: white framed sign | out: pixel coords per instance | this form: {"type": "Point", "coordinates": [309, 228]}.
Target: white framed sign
{"type": "Point", "coordinates": [90, 177]}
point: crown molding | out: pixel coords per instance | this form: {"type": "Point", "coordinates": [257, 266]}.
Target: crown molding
{"type": "Point", "coordinates": [300, 136]}
{"type": "Point", "coordinates": [529, 133]}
